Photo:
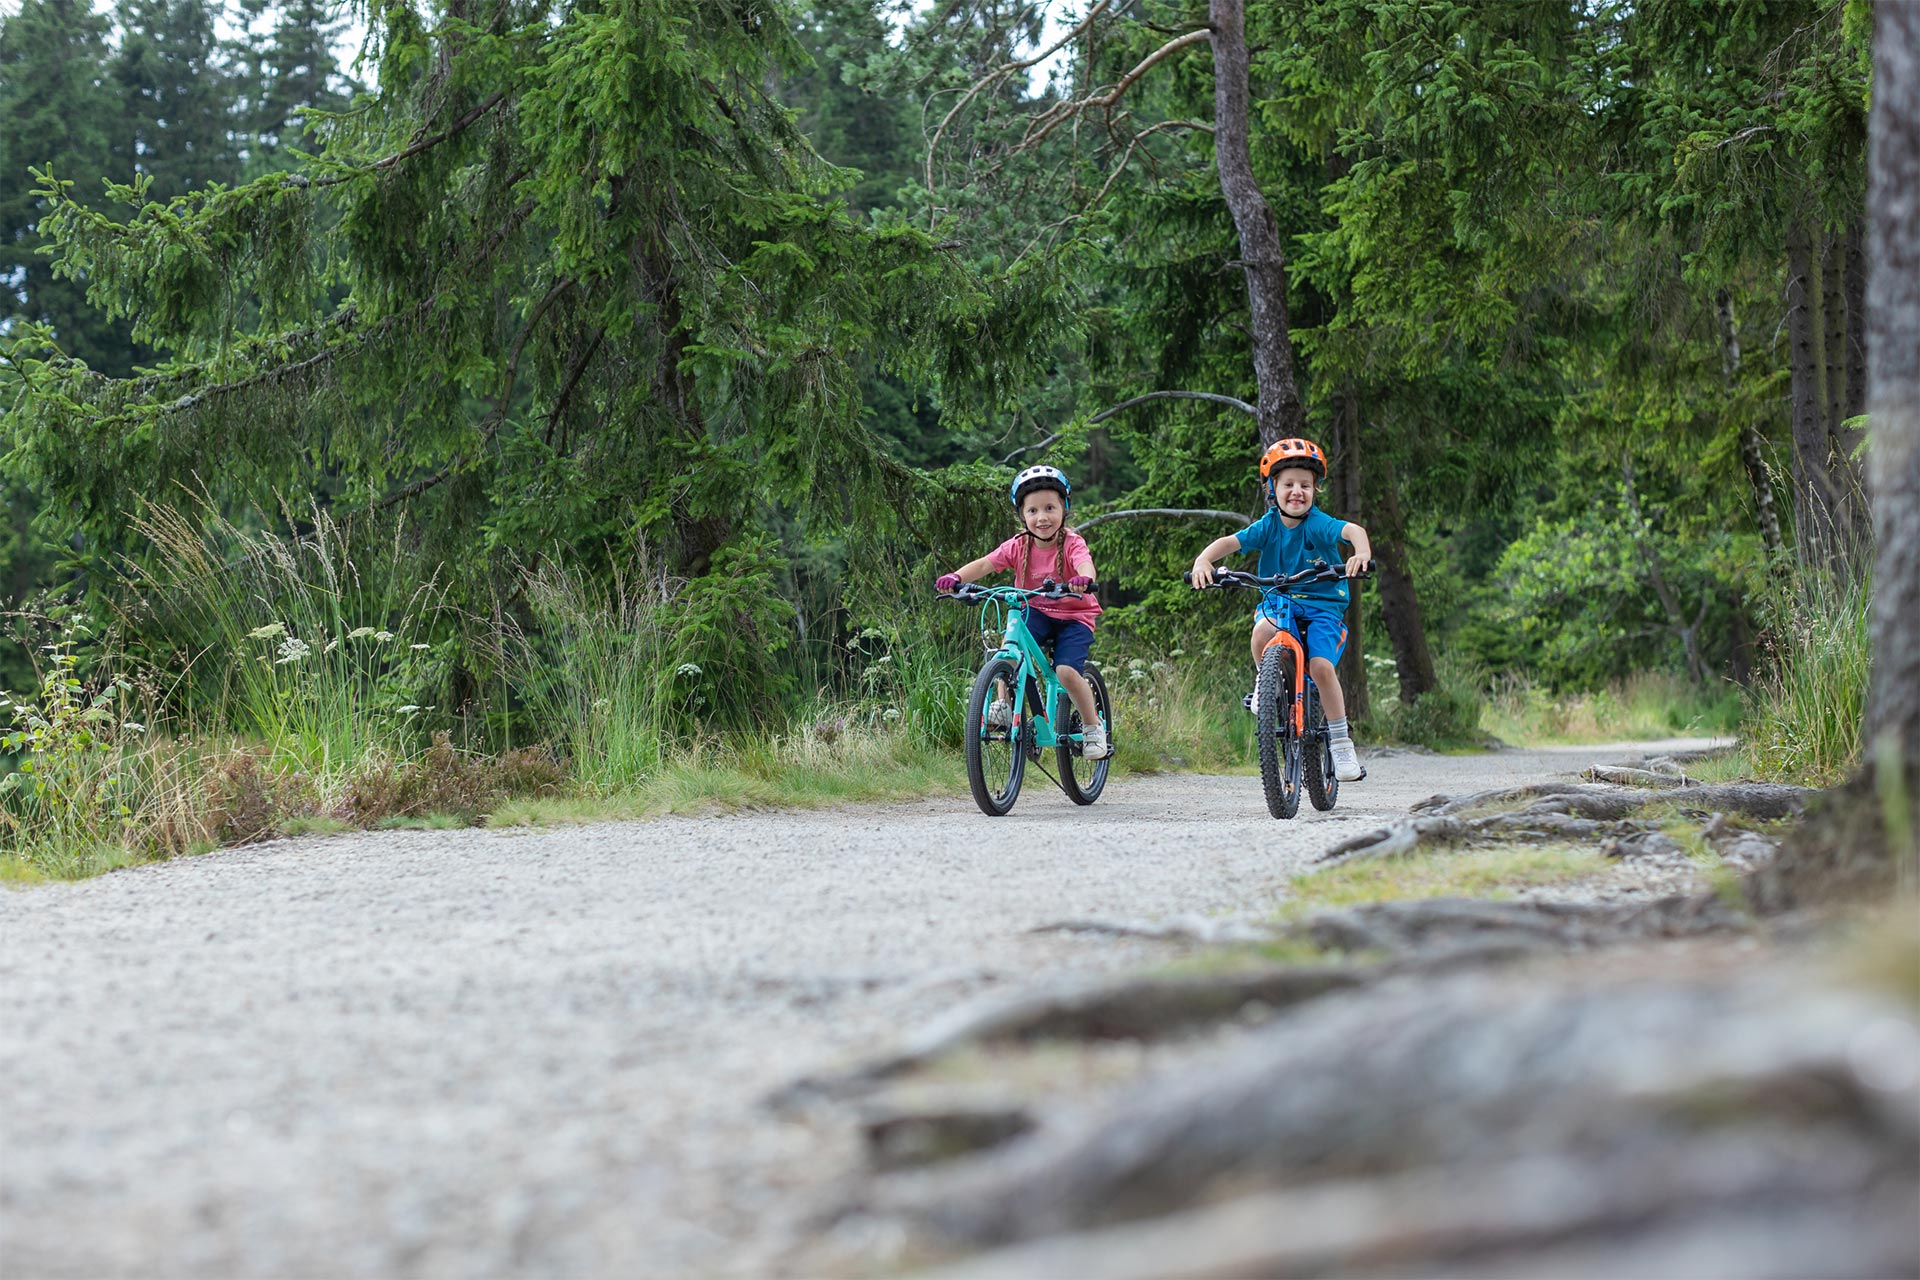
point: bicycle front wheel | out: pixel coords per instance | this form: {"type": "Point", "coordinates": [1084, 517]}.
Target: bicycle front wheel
{"type": "Point", "coordinates": [1323, 784]}
{"type": "Point", "coordinates": [996, 759]}
{"type": "Point", "coordinates": [1279, 745]}
{"type": "Point", "coordinates": [1082, 779]}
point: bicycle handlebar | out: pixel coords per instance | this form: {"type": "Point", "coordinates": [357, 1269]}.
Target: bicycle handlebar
{"type": "Point", "coordinates": [1319, 573]}
{"type": "Point", "coordinates": [1049, 590]}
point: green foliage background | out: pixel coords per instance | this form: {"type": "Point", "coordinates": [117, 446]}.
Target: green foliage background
{"type": "Point", "coordinates": [647, 282]}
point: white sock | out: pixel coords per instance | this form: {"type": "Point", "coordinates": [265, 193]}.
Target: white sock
{"type": "Point", "coordinates": [1337, 729]}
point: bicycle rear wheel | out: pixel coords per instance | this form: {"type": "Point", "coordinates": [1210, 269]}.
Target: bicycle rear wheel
{"type": "Point", "coordinates": [1279, 746]}
{"type": "Point", "coordinates": [1323, 784]}
{"type": "Point", "coordinates": [996, 759]}
{"type": "Point", "coordinates": [1083, 779]}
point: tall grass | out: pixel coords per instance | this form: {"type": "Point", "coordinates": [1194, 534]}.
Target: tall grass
{"type": "Point", "coordinates": [1803, 716]}
{"type": "Point", "coordinates": [1650, 704]}
{"type": "Point", "coordinates": [604, 671]}
{"type": "Point", "coordinates": [313, 646]}
{"type": "Point", "coordinates": [1178, 712]}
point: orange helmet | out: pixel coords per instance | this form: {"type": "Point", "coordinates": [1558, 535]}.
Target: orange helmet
{"type": "Point", "coordinates": [1293, 452]}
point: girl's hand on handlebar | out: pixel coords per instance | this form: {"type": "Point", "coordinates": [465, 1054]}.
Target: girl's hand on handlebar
{"type": "Point", "coordinates": [1202, 575]}
{"type": "Point", "coordinates": [947, 583]}
{"type": "Point", "coordinates": [1082, 585]}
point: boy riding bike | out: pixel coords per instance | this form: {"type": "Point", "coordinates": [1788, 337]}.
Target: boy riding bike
{"type": "Point", "coordinates": [1294, 535]}
{"type": "Point", "coordinates": [1047, 550]}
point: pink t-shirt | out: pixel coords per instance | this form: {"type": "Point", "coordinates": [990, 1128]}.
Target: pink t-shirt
{"type": "Point", "coordinates": [1007, 557]}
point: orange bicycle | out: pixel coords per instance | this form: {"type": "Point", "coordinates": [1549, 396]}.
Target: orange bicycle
{"type": "Point", "coordinates": [1289, 725]}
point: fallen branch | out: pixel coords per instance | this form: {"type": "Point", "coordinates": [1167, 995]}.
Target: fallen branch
{"type": "Point", "coordinates": [1174, 513]}
{"type": "Point", "coordinates": [1232, 401]}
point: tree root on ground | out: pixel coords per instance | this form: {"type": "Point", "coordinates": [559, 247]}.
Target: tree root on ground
{"type": "Point", "coordinates": [1521, 1218]}
{"type": "Point", "coordinates": [1133, 1009]}
{"type": "Point", "coordinates": [902, 1137]}
{"type": "Point", "coordinates": [1565, 811]}
{"type": "Point", "coordinates": [1189, 928]}
{"type": "Point", "coordinates": [1464, 929]}
{"type": "Point", "coordinates": [1503, 1118]}
{"type": "Point", "coordinates": [1763, 800]}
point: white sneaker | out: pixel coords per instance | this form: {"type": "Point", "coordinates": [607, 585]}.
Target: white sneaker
{"type": "Point", "coordinates": [1346, 761]}
{"type": "Point", "coordinates": [1094, 744]}
{"type": "Point", "coordinates": [1000, 714]}
{"type": "Point", "coordinates": [1252, 701]}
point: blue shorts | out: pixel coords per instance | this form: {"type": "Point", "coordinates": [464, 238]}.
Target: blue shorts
{"type": "Point", "coordinates": [1322, 628]}
{"type": "Point", "coordinates": [1068, 642]}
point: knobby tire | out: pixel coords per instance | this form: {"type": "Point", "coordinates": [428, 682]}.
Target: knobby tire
{"type": "Point", "coordinates": [1073, 764]}
{"type": "Point", "coordinates": [1323, 785]}
{"type": "Point", "coordinates": [996, 758]}
{"type": "Point", "coordinates": [1279, 748]}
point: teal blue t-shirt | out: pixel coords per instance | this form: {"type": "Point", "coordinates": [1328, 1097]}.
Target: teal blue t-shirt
{"type": "Point", "coordinates": [1314, 541]}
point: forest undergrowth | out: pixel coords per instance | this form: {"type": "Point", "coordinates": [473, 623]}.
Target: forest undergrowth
{"type": "Point", "coordinates": [288, 685]}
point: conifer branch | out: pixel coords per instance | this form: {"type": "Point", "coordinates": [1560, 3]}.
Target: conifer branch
{"type": "Point", "coordinates": [414, 149]}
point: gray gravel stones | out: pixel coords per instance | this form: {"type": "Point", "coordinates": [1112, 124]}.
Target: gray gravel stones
{"type": "Point", "coordinates": [495, 1053]}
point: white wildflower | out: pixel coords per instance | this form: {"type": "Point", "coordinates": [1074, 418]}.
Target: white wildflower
{"type": "Point", "coordinates": [292, 649]}
{"type": "Point", "coordinates": [891, 713]}
{"type": "Point", "coordinates": [133, 726]}
{"type": "Point", "coordinates": [358, 632]}
{"type": "Point", "coordinates": [268, 632]}
{"type": "Point", "coordinates": [331, 646]}
{"type": "Point", "coordinates": [407, 710]}
{"type": "Point", "coordinates": [1176, 653]}
{"type": "Point", "coordinates": [687, 669]}
{"type": "Point", "coordinates": [383, 636]}
{"type": "Point", "coordinates": [1138, 664]}
{"type": "Point", "coordinates": [419, 646]}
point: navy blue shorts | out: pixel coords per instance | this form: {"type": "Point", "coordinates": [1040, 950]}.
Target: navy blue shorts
{"type": "Point", "coordinates": [1322, 629]}
{"type": "Point", "coordinates": [1068, 642]}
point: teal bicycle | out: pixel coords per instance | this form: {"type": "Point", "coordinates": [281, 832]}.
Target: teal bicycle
{"type": "Point", "coordinates": [1019, 674]}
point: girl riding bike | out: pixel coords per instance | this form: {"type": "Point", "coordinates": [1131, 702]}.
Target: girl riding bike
{"type": "Point", "coordinates": [1047, 550]}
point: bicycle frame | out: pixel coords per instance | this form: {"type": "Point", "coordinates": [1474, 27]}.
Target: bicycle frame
{"type": "Point", "coordinates": [1018, 645]}
{"type": "Point", "coordinates": [1287, 639]}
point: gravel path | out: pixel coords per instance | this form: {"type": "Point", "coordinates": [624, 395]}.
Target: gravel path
{"type": "Point", "coordinates": [510, 1052]}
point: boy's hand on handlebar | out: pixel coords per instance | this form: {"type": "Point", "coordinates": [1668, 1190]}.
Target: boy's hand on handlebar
{"type": "Point", "coordinates": [1202, 575]}
{"type": "Point", "coordinates": [947, 583]}
{"type": "Point", "coordinates": [1358, 565]}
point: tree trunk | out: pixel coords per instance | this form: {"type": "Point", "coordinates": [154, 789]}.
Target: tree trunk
{"type": "Point", "coordinates": [1399, 603]}
{"type": "Point", "coordinates": [1813, 495]}
{"type": "Point", "coordinates": [1846, 359]}
{"type": "Point", "coordinates": [1343, 457]}
{"type": "Point", "coordinates": [1656, 573]}
{"type": "Point", "coordinates": [1281, 412]}
{"type": "Point", "coordinates": [1893, 382]}
{"type": "Point", "coordinates": [1833, 332]}
{"type": "Point", "coordinates": [1766, 519]}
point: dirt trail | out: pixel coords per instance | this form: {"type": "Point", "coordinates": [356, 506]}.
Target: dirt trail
{"type": "Point", "coordinates": [505, 1052]}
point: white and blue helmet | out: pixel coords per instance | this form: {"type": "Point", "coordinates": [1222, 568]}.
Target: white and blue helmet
{"type": "Point", "coordinates": [1040, 478]}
